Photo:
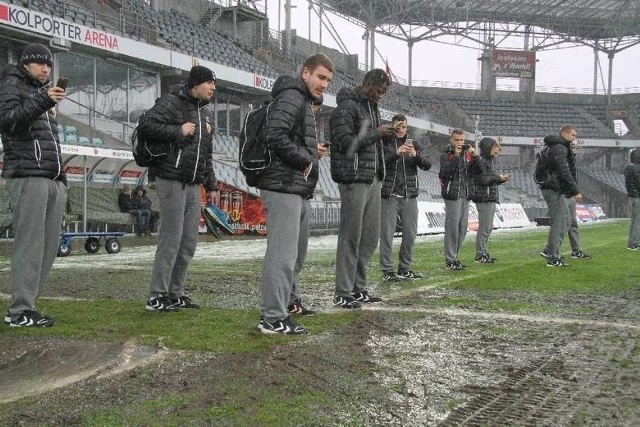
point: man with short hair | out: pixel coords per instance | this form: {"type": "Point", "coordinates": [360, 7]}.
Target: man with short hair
{"type": "Point", "coordinates": [455, 169]}
{"type": "Point", "coordinates": [286, 187]}
{"type": "Point", "coordinates": [180, 119]}
{"type": "Point", "coordinates": [403, 157]}
{"type": "Point", "coordinates": [559, 185]}
{"type": "Point", "coordinates": [35, 178]}
{"type": "Point", "coordinates": [357, 165]}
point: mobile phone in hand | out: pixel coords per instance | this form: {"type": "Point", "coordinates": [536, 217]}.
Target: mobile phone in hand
{"type": "Point", "coordinates": [62, 83]}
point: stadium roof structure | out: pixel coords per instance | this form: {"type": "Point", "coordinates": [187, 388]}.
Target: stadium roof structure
{"type": "Point", "coordinates": [606, 25]}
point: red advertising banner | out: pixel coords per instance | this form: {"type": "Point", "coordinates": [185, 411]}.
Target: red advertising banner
{"type": "Point", "coordinates": [514, 63]}
{"type": "Point", "coordinates": [245, 211]}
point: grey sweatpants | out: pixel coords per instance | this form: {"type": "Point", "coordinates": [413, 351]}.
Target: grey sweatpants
{"type": "Point", "coordinates": [558, 221]}
{"type": "Point", "coordinates": [287, 238]}
{"type": "Point", "coordinates": [455, 227]}
{"type": "Point", "coordinates": [177, 237]}
{"type": "Point", "coordinates": [634, 225]}
{"type": "Point", "coordinates": [486, 212]}
{"type": "Point", "coordinates": [573, 232]}
{"type": "Point", "coordinates": [390, 209]}
{"type": "Point", "coordinates": [357, 236]}
{"type": "Point", "coordinates": [37, 207]}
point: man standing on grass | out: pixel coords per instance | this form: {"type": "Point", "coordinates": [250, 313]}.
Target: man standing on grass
{"type": "Point", "coordinates": [286, 187]}
{"type": "Point", "coordinates": [455, 169]}
{"type": "Point", "coordinates": [403, 157]}
{"type": "Point", "coordinates": [357, 165]}
{"type": "Point", "coordinates": [559, 185]}
{"type": "Point", "coordinates": [181, 119]}
{"type": "Point", "coordinates": [35, 178]}
{"type": "Point", "coordinates": [632, 184]}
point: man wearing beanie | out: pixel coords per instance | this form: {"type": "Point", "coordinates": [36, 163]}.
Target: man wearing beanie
{"type": "Point", "coordinates": [35, 178]}
{"type": "Point", "coordinates": [181, 121]}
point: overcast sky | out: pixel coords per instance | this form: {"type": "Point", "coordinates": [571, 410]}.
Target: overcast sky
{"type": "Point", "coordinates": [440, 62]}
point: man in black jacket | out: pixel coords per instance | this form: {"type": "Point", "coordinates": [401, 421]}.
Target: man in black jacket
{"type": "Point", "coordinates": [286, 187]}
{"type": "Point", "coordinates": [357, 165]}
{"type": "Point", "coordinates": [559, 185]}
{"type": "Point", "coordinates": [402, 159]}
{"type": "Point", "coordinates": [180, 121]}
{"type": "Point", "coordinates": [35, 178]}
{"type": "Point", "coordinates": [632, 185]}
{"type": "Point", "coordinates": [455, 167]}
{"type": "Point", "coordinates": [484, 193]}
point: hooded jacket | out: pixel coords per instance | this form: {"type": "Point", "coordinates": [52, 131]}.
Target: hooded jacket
{"type": "Point", "coordinates": [140, 202]}
{"type": "Point", "coordinates": [356, 146]}
{"type": "Point", "coordinates": [484, 178]}
{"type": "Point", "coordinates": [190, 158]}
{"type": "Point", "coordinates": [291, 138]}
{"type": "Point", "coordinates": [401, 177]}
{"type": "Point", "coordinates": [29, 131]}
{"type": "Point", "coordinates": [455, 173]}
{"type": "Point", "coordinates": [561, 165]}
{"type": "Point", "coordinates": [632, 174]}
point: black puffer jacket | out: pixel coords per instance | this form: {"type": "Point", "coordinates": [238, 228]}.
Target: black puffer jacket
{"type": "Point", "coordinates": [29, 131]}
{"type": "Point", "coordinates": [484, 178]}
{"type": "Point", "coordinates": [142, 202]}
{"type": "Point", "coordinates": [561, 165]}
{"type": "Point", "coordinates": [356, 145]}
{"type": "Point", "coordinates": [190, 158]}
{"type": "Point", "coordinates": [291, 137]}
{"type": "Point", "coordinates": [454, 174]}
{"type": "Point", "coordinates": [632, 174]}
{"type": "Point", "coordinates": [403, 168]}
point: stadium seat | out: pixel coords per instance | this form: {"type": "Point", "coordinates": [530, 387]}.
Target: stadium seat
{"type": "Point", "coordinates": [83, 140]}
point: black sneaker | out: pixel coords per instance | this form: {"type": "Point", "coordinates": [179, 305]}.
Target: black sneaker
{"type": "Point", "coordinates": [183, 302]}
{"type": "Point", "coordinates": [31, 319]}
{"type": "Point", "coordinates": [365, 297]}
{"type": "Point", "coordinates": [580, 255]}
{"type": "Point", "coordinates": [297, 309]}
{"type": "Point", "coordinates": [557, 263]}
{"type": "Point", "coordinates": [634, 248]}
{"type": "Point", "coordinates": [454, 265]}
{"type": "Point", "coordinates": [284, 326]}
{"type": "Point", "coordinates": [544, 253]}
{"type": "Point", "coordinates": [160, 303]}
{"type": "Point", "coordinates": [485, 259]}
{"type": "Point", "coordinates": [393, 277]}
{"type": "Point", "coordinates": [346, 302]}
{"type": "Point", "coordinates": [410, 274]}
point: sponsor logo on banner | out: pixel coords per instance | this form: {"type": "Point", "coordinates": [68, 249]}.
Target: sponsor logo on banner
{"type": "Point", "coordinates": [41, 23]}
{"type": "Point", "coordinates": [262, 82]}
{"type": "Point", "coordinates": [514, 63]}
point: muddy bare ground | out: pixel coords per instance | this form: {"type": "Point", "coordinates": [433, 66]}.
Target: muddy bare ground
{"type": "Point", "coordinates": [403, 363]}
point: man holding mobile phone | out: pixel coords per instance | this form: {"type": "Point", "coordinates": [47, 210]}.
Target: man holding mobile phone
{"type": "Point", "coordinates": [402, 158]}
{"type": "Point", "coordinates": [35, 178]}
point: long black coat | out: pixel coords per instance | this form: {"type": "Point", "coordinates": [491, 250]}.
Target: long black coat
{"type": "Point", "coordinates": [356, 147]}
{"type": "Point", "coordinates": [291, 138]}
{"type": "Point", "coordinates": [190, 158]}
{"type": "Point", "coordinates": [29, 131]}
{"type": "Point", "coordinates": [408, 166]}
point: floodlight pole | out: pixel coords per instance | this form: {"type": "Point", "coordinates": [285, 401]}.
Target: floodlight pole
{"type": "Point", "coordinates": [610, 80]}
{"type": "Point", "coordinates": [595, 68]}
{"type": "Point", "coordinates": [410, 46]}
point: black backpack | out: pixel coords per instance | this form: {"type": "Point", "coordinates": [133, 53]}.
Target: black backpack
{"type": "Point", "coordinates": [145, 153]}
{"type": "Point", "coordinates": [541, 171]}
{"type": "Point", "coordinates": [254, 156]}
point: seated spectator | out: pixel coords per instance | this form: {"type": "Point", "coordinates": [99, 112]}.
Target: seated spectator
{"type": "Point", "coordinates": [124, 198]}
{"type": "Point", "coordinates": [141, 211]}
